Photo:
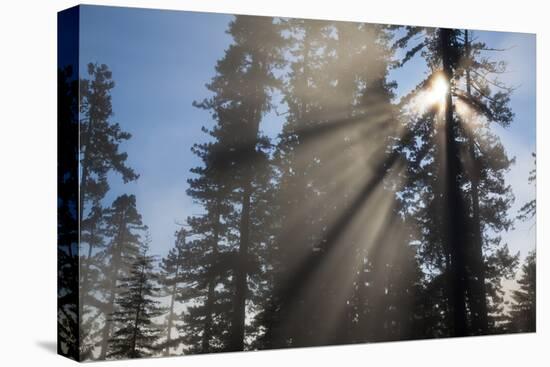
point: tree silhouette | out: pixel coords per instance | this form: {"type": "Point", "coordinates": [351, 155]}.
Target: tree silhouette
{"type": "Point", "coordinates": [136, 334]}
{"type": "Point", "coordinates": [171, 281]}
{"type": "Point", "coordinates": [523, 313]}
{"type": "Point", "coordinates": [241, 98]}
{"type": "Point", "coordinates": [99, 154]}
{"type": "Point", "coordinates": [529, 209]}
{"type": "Point", "coordinates": [473, 163]}
{"type": "Point", "coordinates": [124, 228]}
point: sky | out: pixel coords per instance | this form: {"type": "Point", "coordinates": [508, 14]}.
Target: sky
{"type": "Point", "coordinates": [161, 61]}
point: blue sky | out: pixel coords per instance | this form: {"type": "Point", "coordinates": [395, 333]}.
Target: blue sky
{"type": "Point", "coordinates": [161, 61]}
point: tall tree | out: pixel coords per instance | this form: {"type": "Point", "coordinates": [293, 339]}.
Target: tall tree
{"type": "Point", "coordinates": [99, 154]}
{"type": "Point", "coordinates": [207, 258]}
{"type": "Point", "coordinates": [171, 282]}
{"type": "Point", "coordinates": [124, 228]}
{"type": "Point", "coordinates": [473, 163]}
{"type": "Point", "coordinates": [523, 313]}
{"type": "Point", "coordinates": [136, 307]}
{"type": "Point", "coordinates": [295, 160]}
{"type": "Point", "coordinates": [241, 97]}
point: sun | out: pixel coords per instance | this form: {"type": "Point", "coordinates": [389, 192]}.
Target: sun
{"type": "Point", "coordinates": [437, 92]}
{"type": "Point", "coordinates": [434, 96]}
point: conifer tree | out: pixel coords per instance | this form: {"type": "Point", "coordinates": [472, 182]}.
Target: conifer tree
{"type": "Point", "coordinates": [99, 155]}
{"type": "Point", "coordinates": [206, 257]}
{"type": "Point", "coordinates": [523, 313]}
{"type": "Point", "coordinates": [474, 162]}
{"type": "Point", "coordinates": [171, 282]}
{"type": "Point", "coordinates": [529, 209]}
{"type": "Point", "coordinates": [241, 91]}
{"type": "Point", "coordinates": [295, 162]}
{"type": "Point", "coordinates": [136, 307]}
{"type": "Point", "coordinates": [124, 228]}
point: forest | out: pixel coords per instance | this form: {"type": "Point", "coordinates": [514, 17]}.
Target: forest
{"type": "Point", "coordinates": [368, 218]}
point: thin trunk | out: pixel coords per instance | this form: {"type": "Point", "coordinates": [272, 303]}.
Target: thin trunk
{"type": "Point", "coordinates": [478, 293]}
{"type": "Point", "coordinates": [171, 312]}
{"type": "Point", "coordinates": [455, 209]}
{"type": "Point", "coordinates": [236, 341]}
{"type": "Point", "coordinates": [237, 325]}
{"type": "Point", "coordinates": [207, 335]}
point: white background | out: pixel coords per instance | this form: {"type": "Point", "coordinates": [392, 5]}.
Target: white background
{"type": "Point", "coordinates": [28, 182]}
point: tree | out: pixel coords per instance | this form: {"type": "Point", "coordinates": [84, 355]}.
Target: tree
{"type": "Point", "coordinates": [171, 270]}
{"type": "Point", "coordinates": [206, 256]}
{"type": "Point", "coordinates": [241, 96]}
{"type": "Point", "coordinates": [529, 209]}
{"type": "Point", "coordinates": [136, 334]}
{"type": "Point", "coordinates": [124, 228]}
{"type": "Point", "coordinates": [523, 313]}
{"type": "Point", "coordinates": [295, 199]}
{"type": "Point", "coordinates": [473, 163]}
{"type": "Point", "coordinates": [99, 154]}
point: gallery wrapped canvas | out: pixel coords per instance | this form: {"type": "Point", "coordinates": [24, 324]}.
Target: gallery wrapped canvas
{"type": "Point", "coordinates": [233, 183]}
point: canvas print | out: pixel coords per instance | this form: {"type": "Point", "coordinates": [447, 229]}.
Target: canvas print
{"type": "Point", "coordinates": [237, 183]}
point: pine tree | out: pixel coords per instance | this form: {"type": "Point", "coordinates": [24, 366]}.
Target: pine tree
{"type": "Point", "coordinates": [171, 270]}
{"type": "Point", "coordinates": [295, 161]}
{"type": "Point", "coordinates": [241, 91]}
{"type": "Point", "coordinates": [522, 317]}
{"type": "Point", "coordinates": [529, 209]}
{"type": "Point", "coordinates": [523, 313]}
{"type": "Point", "coordinates": [124, 228]}
{"type": "Point", "coordinates": [135, 334]}
{"type": "Point", "coordinates": [99, 155]}
{"type": "Point", "coordinates": [206, 258]}
{"type": "Point", "coordinates": [474, 162]}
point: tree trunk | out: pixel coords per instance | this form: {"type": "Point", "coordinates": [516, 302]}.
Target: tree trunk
{"type": "Point", "coordinates": [207, 334]}
{"type": "Point", "coordinates": [478, 294]}
{"type": "Point", "coordinates": [454, 212]}
{"type": "Point", "coordinates": [171, 313]}
{"type": "Point", "coordinates": [237, 325]}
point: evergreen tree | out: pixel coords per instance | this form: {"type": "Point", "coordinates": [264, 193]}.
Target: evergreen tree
{"type": "Point", "coordinates": [99, 154]}
{"type": "Point", "coordinates": [136, 307]}
{"type": "Point", "coordinates": [529, 209]}
{"type": "Point", "coordinates": [206, 258]}
{"type": "Point", "coordinates": [124, 228]}
{"type": "Point", "coordinates": [473, 162]}
{"type": "Point", "coordinates": [523, 313]}
{"type": "Point", "coordinates": [171, 270]}
{"type": "Point", "coordinates": [294, 161]}
{"type": "Point", "coordinates": [241, 91]}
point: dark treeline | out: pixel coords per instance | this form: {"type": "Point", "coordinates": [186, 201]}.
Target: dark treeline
{"type": "Point", "coordinates": [366, 219]}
